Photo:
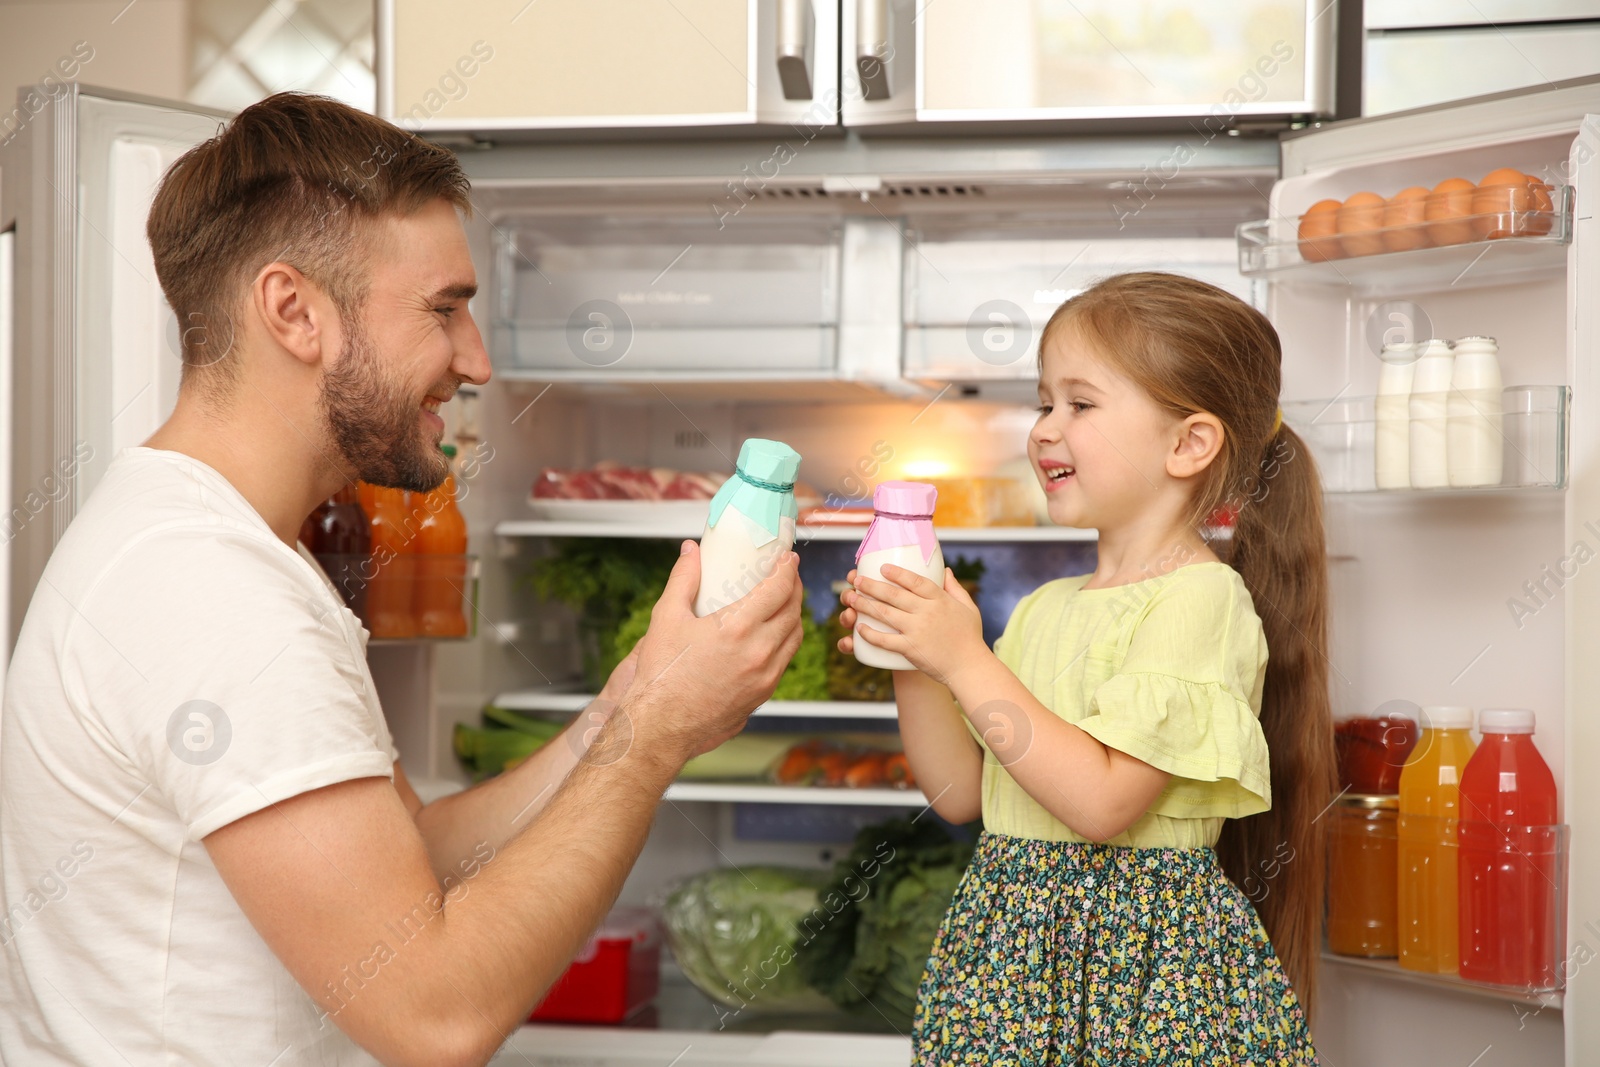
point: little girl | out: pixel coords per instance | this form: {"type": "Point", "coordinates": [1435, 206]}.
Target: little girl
{"type": "Point", "coordinates": [1117, 739]}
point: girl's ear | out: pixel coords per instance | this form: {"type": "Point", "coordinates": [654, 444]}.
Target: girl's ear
{"type": "Point", "coordinates": [1199, 441]}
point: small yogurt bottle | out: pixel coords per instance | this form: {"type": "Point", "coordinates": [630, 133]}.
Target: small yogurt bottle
{"type": "Point", "coordinates": [751, 524]}
{"type": "Point", "coordinates": [901, 535]}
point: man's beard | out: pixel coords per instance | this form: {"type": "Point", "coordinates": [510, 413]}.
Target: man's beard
{"type": "Point", "coordinates": [375, 425]}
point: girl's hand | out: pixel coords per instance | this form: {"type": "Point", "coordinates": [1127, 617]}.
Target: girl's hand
{"type": "Point", "coordinates": [940, 628]}
{"type": "Point", "coordinates": [847, 617]}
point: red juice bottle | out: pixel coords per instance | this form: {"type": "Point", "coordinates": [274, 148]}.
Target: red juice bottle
{"type": "Point", "coordinates": [1509, 863]}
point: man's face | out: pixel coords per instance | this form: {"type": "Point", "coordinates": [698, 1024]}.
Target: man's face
{"type": "Point", "coordinates": [405, 351]}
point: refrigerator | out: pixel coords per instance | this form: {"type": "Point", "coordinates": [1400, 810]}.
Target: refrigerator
{"type": "Point", "coordinates": [876, 303]}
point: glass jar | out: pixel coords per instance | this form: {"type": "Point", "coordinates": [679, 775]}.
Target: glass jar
{"type": "Point", "coordinates": [1363, 875]}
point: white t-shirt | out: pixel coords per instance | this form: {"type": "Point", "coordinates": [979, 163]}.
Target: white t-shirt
{"type": "Point", "coordinates": [179, 668]}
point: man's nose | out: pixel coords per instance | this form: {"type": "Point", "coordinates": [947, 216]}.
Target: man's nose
{"type": "Point", "coordinates": [470, 360]}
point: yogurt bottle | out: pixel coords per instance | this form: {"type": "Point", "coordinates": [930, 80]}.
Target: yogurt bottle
{"type": "Point", "coordinates": [901, 535]}
{"type": "Point", "coordinates": [751, 524]}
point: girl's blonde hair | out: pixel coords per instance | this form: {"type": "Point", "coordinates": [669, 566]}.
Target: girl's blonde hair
{"type": "Point", "coordinates": [1194, 347]}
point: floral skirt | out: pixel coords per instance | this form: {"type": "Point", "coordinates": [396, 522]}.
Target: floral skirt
{"type": "Point", "coordinates": [1056, 954]}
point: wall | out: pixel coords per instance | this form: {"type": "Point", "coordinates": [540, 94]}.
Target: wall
{"type": "Point", "coordinates": [140, 47]}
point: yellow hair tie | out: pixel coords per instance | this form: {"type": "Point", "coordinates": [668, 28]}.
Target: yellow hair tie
{"type": "Point", "coordinates": [1277, 422]}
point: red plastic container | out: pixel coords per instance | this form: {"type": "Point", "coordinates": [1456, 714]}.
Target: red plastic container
{"type": "Point", "coordinates": [1510, 869]}
{"type": "Point", "coordinates": [617, 973]}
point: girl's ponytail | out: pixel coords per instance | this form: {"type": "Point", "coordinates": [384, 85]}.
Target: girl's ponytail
{"type": "Point", "coordinates": [1277, 857]}
{"type": "Point", "coordinates": [1194, 347]}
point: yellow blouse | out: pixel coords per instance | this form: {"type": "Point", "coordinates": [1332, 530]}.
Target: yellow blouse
{"type": "Point", "coordinates": [1169, 671]}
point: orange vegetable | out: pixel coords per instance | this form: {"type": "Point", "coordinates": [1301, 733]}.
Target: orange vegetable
{"type": "Point", "coordinates": [832, 767]}
{"type": "Point", "coordinates": [870, 769]}
{"type": "Point", "coordinates": [797, 767]}
{"type": "Point", "coordinates": [897, 769]}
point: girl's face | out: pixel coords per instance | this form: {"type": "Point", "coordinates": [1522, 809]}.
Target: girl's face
{"type": "Point", "coordinates": [1100, 446]}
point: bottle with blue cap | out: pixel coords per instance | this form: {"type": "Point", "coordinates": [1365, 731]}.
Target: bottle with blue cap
{"type": "Point", "coordinates": [751, 524]}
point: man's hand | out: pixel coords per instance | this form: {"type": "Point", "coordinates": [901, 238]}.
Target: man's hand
{"type": "Point", "coordinates": [705, 676]}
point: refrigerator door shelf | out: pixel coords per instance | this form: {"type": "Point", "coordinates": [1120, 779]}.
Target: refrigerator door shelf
{"type": "Point", "coordinates": [1342, 435]}
{"type": "Point", "coordinates": [1503, 247]}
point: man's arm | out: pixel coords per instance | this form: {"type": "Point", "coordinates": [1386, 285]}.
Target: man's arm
{"type": "Point", "coordinates": [340, 885]}
{"type": "Point", "coordinates": [457, 826]}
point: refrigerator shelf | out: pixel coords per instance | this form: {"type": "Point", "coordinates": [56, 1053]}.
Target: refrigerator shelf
{"type": "Point", "coordinates": [544, 700]}
{"type": "Point", "coordinates": [803, 534]}
{"type": "Point", "coordinates": [759, 793]}
{"type": "Point", "coordinates": [1342, 434]}
{"type": "Point", "coordinates": [1389, 968]}
{"type": "Point", "coordinates": [1527, 246]}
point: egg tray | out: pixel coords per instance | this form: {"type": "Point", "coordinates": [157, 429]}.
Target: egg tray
{"type": "Point", "coordinates": [1460, 224]}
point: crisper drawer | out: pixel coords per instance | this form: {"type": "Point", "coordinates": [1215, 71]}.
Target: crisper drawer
{"type": "Point", "coordinates": [587, 297]}
{"type": "Point", "coordinates": [975, 303]}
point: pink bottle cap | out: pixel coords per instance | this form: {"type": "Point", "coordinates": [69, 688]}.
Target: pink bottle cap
{"type": "Point", "coordinates": [909, 500]}
{"type": "Point", "coordinates": [904, 517]}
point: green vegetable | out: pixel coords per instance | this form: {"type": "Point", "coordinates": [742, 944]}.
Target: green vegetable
{"type": "Point", "coordinates": [967, 569]}
{"type": "Point", "coordinates": [870, 956]}
{"type": "Point", "coordinates": [733, 933]}
{"type": "Point", "coordinates": [604, 580]}
{"type": "Point", "coordinates": [806, 677]}
{"type": "Point", "coordinates": [747, 756]}
{"type": "Point", "coordinates": [543, 729]}
{"type": "Point", "coordinates": [485, 752]}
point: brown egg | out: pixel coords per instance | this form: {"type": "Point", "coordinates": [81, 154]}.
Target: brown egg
{"type": "Point", "coordinates": [1449, 212]}
{"type": "Point", "coordinates": [1317, 228]}
{"type": "Point", "coordinates": [1541, 203]}
{"type": "Point", "coordinates": [1500, 204]}
{"type": "Point", "coordinates": [1360, 219]}
{"type": "Point", "coordinates": [1403, 217]}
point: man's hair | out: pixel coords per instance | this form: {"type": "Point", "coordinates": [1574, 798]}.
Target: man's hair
{"type": "Point", "coordinates": [296, 178]}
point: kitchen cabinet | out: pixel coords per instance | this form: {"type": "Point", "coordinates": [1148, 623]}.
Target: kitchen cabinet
{"type": "Point", "coordinates": [1041, 63]}
{"type": "Point", "coordinates": [503, 68]}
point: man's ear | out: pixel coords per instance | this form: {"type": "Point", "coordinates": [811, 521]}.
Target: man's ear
{"type": "Point", "coordinates": [1198, 442]}
{"type": "Point", "coordinates": [292, 310]}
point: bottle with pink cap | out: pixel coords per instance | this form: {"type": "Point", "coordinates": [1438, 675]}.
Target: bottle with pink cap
{"type": "Point", "coordinates": [901, 535]}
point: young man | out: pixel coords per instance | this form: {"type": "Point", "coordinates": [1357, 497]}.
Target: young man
{"type": "Point", "coordinates": [208, 853]}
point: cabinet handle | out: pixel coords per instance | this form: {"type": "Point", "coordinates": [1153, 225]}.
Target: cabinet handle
{"type": "Point", "coordinates": [797, 27]}
{"type": "Point", "coordinates": [872, 48]}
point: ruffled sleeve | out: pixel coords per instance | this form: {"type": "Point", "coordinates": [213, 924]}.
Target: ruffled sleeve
{"type": "Point", "coordinates": [1187, 696]}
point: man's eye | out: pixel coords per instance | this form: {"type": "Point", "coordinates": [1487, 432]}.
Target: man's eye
{"type": "Point", "coordinates": [445, 311]}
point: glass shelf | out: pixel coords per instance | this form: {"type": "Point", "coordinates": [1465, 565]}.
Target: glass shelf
{"type": "Point", "coordinates": [1343, 432]}
{"type": "Point", "coordinates": [803, 534]}
{"type": "Point", "coordinates": [568, 703]}
{"type": "Point", "coordinates": [1489, 248]}
{"type": "Point", "coordinates": [1390, 969]}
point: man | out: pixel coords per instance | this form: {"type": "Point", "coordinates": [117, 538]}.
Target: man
{"type": "Point", "coordinates": [209, 852]}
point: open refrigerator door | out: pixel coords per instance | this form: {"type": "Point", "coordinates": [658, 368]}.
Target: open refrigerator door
{"type": "Point", "coordinates": [1468, 592]}
{"type": "Point", "coordinates": [101, 362]}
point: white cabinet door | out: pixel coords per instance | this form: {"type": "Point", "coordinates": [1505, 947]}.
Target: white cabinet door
{"type": "Point", "coordinates": [96, 362]}
{"type": "Point", "coordinates": [1032, 62]}
{"type": "Point", "coordinates": [558, 66]}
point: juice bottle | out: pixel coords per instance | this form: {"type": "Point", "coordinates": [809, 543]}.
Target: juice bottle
{"type": "Point", "coordinates": [338, 534]}
{"type": "Point", "coordinates": [1430, 796]}
{"type": "Point", "coordinates": [391, 570]}
{"type": "Point", "coordinates": [441, 561]}
{"type": "Point", "coordinates": [1509, 858]}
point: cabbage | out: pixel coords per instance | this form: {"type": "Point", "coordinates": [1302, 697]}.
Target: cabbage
{"type": "Point", "coordinates": [734, 933]}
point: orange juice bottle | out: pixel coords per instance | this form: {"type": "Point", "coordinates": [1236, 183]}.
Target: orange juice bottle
{"type": "Point", "coordinates": [392, 568]}
{"type": "Point", "coordinates": [1430, 802]}
{"type": "Point", "coordinates": [441, 561]}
